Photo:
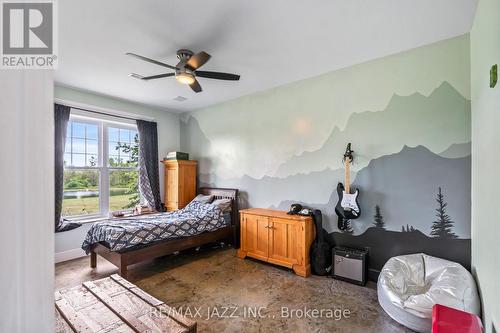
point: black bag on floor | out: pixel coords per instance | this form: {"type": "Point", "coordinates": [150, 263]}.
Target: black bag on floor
{"type": "Point", "coordinates": [321, 251]}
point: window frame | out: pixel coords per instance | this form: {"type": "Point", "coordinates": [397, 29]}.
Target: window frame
{"type": "Point", "coordinates": [102, 164]}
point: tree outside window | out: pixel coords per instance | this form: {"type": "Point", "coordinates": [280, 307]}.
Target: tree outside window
{"type": "Point", "coordinates": [101, 168]}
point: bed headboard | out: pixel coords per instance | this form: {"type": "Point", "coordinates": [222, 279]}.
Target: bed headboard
{"type": "Point", "coordinates": [227, 193]}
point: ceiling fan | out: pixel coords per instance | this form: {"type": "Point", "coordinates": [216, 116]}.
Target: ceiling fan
{"type": "Point", "coordinates": [186, 70]}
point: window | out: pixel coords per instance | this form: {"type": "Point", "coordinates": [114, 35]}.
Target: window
{"type": "Point", "coordinates": [100, 168]}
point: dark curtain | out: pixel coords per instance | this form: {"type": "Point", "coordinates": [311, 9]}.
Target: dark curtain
{"type": "Point", "coordinates": [61, 119]}
{"type": "Point", "coordinates": [149, 179]}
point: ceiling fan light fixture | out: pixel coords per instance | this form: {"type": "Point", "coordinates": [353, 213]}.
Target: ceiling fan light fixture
{"type": "Point", "coordinates": [185, 78]}
{"type": "Point", "coordinates": [186, 71]}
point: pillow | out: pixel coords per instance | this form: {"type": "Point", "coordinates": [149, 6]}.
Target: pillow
{"type": "Point", "coordinates": [224, 204]}
{"type": "Point", "coordinates": [203, 198]}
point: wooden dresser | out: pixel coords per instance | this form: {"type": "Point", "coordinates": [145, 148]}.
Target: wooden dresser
{"type": "Point", "coordinates": [278, 238]}
{"type": "Point", "coordinates": [180, 183]}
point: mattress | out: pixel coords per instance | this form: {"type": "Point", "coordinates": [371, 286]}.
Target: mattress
{"type": "Point", "coordinates": [123, 234]}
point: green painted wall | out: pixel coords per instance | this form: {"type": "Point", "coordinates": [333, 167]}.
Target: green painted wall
{"type": "Point", "coordinates": [408, 118]}
{"type": "Point", "coordinates": [298, 117]}
{"type": "Point", "coordinates": [485, 51]}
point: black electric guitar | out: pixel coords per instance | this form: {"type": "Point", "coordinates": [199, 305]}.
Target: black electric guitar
{"type": "Point", "coordinates": [347, 207]}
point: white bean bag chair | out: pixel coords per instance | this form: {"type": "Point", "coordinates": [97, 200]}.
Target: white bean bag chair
{"type": "Point", "coordinates": [409, 285]}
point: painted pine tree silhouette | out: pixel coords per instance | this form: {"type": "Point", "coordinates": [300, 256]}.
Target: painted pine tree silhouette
{"type": "Point", "coordinates": [379, 219]}
{"type": "Point", "coordinates": [443, 226]}
{"type": "Point", "coordinates": [409, 228]}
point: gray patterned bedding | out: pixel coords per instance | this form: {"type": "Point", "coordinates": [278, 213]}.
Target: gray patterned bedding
{"type": "Point", "coordinates": [126, 233]}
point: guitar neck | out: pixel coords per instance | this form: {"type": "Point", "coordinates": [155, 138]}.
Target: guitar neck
{"type": "Point", "coordinates": [347, 175]}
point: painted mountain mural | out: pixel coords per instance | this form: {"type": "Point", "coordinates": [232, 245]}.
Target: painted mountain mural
{"type": "Point", "coordinates": [412, 167]}
{"type": "Point", "coordinates": [457, 150]}
{"type": "Point", "coordinates": [441, 121]}
{"type": "Point", "coordinates": [400, 206]}
{"type": "Point", "coordinates": [407, 120]}
{"type": "Point", "coordinates": [404, 186]}
{"type": "Point", "coordinates": [270, 191]}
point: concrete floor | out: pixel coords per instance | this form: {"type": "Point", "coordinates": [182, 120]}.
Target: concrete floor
{"type": "Point", "coordinates": [245, 295]}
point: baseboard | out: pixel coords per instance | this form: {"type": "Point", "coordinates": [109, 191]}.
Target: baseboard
{"type": "Point", "coordinates": [373, 274]}
{"type": "Point", "coordinates": [68, 255]}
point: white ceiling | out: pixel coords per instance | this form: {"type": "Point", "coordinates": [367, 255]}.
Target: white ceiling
{"type": "Point", "coordinates": [269, 43]}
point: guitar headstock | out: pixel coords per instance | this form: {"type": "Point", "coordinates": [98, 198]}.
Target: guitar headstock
{"type": "Point", "coordinates": [348, 154]}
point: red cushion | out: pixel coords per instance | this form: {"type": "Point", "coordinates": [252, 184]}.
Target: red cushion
{"type": "Point", "coordinates": [449, 320]}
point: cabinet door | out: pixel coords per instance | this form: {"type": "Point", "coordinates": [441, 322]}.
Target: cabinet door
{"type": "Point", "coordinates": [171, 188]}
{"type": "Point", "coordinates": [255, 233]}
{"type": "Point", "coordinates": [284, 242]}
{"type": "Point", "coordinates": [187, 184]}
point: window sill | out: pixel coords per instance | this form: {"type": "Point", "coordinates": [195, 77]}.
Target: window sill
{"type": "Point", "coordinates": [93, 219]}
{"type": "Point", "coordinates": [88, 220]}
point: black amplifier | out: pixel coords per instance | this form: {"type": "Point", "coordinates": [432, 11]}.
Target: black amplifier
{"type": "Point", "coordinates": [349, 265]}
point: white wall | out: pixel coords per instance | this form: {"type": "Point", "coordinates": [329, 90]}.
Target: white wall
{"type": "Point", "coordinates": [27, 219]}
{"type": "Point", "coordinates": [67, 244]}
{"type": "Point", "coordinates": [485, 51]}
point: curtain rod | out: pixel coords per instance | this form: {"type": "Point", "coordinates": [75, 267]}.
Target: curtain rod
{"type": "Point", "coordinates": [102, 113]}
{"type": "Point", "coordinates": [101, 110]}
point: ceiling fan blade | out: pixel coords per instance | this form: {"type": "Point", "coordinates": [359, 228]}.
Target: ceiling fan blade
{"type": "Point", "coordinates": [198, 60]}
{"type": "Point", "coordinates": [159, 76]}
{"type": "Point", "coordinates": [150, 60]}
{"type": "Point", "coordinates": [136, 76]}
{"type": "Point", "coordinates": [218, 75]}
{"type": "Point", "coordinates": [140, 77]}
{"type": "Point", "coordinates": [195, 86]}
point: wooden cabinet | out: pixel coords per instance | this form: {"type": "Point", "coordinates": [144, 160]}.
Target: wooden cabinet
{"type": "Point", "coordinates": [180, 183]}
{"type": "Point", "coordinates": [278, 238]}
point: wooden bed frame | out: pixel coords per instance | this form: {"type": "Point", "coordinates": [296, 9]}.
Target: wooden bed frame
{"type": "Point", "coordinates": [162, 248]}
